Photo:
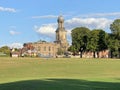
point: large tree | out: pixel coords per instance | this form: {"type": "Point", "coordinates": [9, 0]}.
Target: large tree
{"type": "Point", "coordinates": [102, 43]}
{"type": "Point", "coordinates": [115, 28]}
{"type": "Point", "coordinates": [93, 41]}
{"type": "Point", "coordinates": [5, 50]}
{"type": "Point", "coordinates": [80, 38]}
{"type": "Point", "coordinates": [113, 45]}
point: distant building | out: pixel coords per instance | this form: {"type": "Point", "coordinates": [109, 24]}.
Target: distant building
{"type": "Point", "coordinates": [50, 49]}
{"type": "Point", "coordinates": [14, 53]}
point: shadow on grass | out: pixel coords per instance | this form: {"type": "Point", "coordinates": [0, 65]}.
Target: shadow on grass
{"type": "Point", "coordinates": [59, 84]}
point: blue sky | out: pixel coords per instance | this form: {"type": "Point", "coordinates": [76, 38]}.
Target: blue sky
{"type": "Point", "coordinates": [24, 21]}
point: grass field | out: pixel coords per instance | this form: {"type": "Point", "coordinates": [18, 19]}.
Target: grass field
{"type": "Point", "coordinates": [59, 74]}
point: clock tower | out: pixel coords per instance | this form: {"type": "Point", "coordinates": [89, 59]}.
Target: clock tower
{"type": "Point", "coordinates": [61, 37]}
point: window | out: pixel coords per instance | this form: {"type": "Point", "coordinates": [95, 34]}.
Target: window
{"type": "Point", "coordinates": [49, 48]}
{"type": "Point", "coordinates": [44, 48]}
{"type": "Point", "coordinates": [39, 48]}
{"type": "Point", "coordinates": [53, 48]}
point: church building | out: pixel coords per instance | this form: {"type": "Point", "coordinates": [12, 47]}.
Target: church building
{"type": "Point", "coordinates": [51, 49]}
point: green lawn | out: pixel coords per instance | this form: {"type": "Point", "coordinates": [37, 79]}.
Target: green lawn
{"type": "Point", "coordinates": [59, 74]}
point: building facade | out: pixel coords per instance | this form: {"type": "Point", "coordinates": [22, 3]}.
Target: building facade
{"type": "Point", "coordinates": [46, 49]}
{"type": "Point", "coordinates": [49, 49]}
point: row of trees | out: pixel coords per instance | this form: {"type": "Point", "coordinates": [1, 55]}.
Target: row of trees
{"type": "Point", "coordinates": [5, 51]}
{"type": "Point", "coordinates": [84, 39]}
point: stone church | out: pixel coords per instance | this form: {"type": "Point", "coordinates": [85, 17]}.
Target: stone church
{"type": "Point", "coordinates": [52, 49]}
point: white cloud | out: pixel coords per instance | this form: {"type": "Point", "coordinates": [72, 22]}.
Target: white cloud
{"type": "Point", "coordinates": [15, 45]}
{"type": "Point", "coordinates": [92, 23]}
{"type": "Point", "coordinates": [45, 16]}
{"type": "Point", "coordinates": [113, 14]}
{"type": "Point", "coordinates": [12, 32]}
{"type": "Point", "coordinates": [7, 9]}
{"type": "Point", "coordinates": [108, 14]}
{"type": "Point", "coordinates": [47, 31]}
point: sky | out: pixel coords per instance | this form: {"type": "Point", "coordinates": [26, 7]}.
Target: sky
{"type": "Point", "coordinates": [23, 21]}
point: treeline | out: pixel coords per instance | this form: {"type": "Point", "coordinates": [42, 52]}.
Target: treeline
{"type": "Point", "coordinates": [4, 51]}
{"type": "Point", "coordinates": [84, 39]}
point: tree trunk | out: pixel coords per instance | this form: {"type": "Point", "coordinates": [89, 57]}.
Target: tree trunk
{"type": "Point", "coordinates": [81, 54]}
{"type": "Point", "coordinates": [119, 52]}
{"type": "Point", "coordinates": [97, 54]}
{"type": "Point", "coordinates": [111, 54]}
{"type": "Point", "coordinates": [119, 55]}
{"type": "Point", "coordinates": [94, 54]}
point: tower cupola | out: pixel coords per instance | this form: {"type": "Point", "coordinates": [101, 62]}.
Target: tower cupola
{"type": "Point", "coordinates": [60, 21]}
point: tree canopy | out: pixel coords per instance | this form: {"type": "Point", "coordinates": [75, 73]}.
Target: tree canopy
{"type": "Point", "coordinates": [84, 39]}
{"type": "Point", "coordinates": [80, 36]}
{"type": "Point", "coordinates": [115, 28]}
{"type": "Point", "coordinates": [5, 50]}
